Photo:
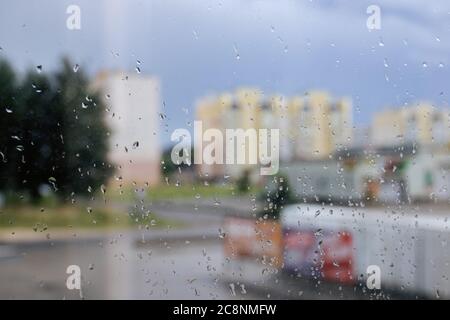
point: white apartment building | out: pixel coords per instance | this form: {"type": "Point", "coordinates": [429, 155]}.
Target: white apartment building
{"type": "Point", "coordinates": [132, 102]}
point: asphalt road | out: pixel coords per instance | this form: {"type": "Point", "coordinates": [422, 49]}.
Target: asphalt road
{"type": "Point", "coordinates": [173, 263]}
{"type": "Point", "coordinates": [176, 263]}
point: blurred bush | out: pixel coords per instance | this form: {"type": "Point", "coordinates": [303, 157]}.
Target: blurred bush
{"type": "Point", "coordinates": [276, 194]}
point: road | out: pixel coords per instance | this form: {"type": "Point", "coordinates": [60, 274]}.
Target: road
{"type": "Point", "coordinates": [178, 263]}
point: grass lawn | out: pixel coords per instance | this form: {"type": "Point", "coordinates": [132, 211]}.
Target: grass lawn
{"type": "Point", "coordinates": [189, 191]}
{"type": "Point", "coordinates": [68, 216]}
{"type": "Point", "coordinates": [183, 191]}
{"type": "Point", "coordinates": [197, 191]}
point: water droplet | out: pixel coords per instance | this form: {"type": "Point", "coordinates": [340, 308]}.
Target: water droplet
{"type": "Point", "coordinates": [425, 64]}
{"type": "Point", "coordinates": [34, 86]}
{"type": "Point", "coordinates": [138, 70]}
{"type": "Point", "coordinates": [243, 291]}
{"type": "Point", "coordinates": [75, 68]}
{"type": "Point", "coordinates": [238, 57]}
{"type": "Point", "coordinates": [232, 289]}
{"type": "Point", "coordinates": [52, 181]}
{"type": "Point", "coordinates": [39, 68]}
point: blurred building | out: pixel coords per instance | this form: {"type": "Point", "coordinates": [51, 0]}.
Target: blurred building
{"type": "Point", "coordinates": [420, 124]}
{"type": "Point", "coordinates": [212, 112]}
{"type": "Point", "coordinates": [311, 127]}
{"type": "Point", "coordinates": [132, 102]}
{"type": "Point", "coordinates": [395, 174]}
{"type": "Point", "coordinates": [361, 136]}
{"type": "Point", "coordinates": [321, 124]}
{"type": "Point", "coordinates": [227, 111]}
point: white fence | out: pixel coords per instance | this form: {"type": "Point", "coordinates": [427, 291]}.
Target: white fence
{"type": "Point", "coordinates": [411, 248]}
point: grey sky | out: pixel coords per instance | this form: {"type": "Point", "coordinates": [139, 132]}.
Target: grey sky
{"type": "Point", "coordinates": [286, 47]}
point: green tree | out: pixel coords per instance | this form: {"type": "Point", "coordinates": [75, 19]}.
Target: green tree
{"type": "Point", "coordinates": [55, 135]}
{"type": "Point", "coordinates": [82, 165]}
{"type": "Point", "coordinates": [8, 121]}
{"type": "Point", "coordinates": [243, 183]}
{"type": "Point", "coordinates": [38, 146]}
{"type": "Point", "coordinates": [168, 167]}
{"type": "Point", "coordinates": [277, 195]}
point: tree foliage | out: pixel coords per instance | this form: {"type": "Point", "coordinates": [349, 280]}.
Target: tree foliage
{"type": "Point", "coordinates": [53, 133]}
{"type": "Point", "coordinates": [276, 195]}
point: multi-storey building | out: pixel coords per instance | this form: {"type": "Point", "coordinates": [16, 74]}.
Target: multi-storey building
{"type": "Point", "coordinates": [132, 102]}
{"type": "Point", "coordinates": [310, 127]}
{"type": "Point", "coordinates": [419, 124]}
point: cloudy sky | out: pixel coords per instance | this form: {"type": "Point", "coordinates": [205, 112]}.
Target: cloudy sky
{"type": "Point", "coordinates": [200, 47]}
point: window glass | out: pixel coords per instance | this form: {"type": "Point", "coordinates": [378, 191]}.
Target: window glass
{"type": "Point", "coordinates": [224, 149]}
